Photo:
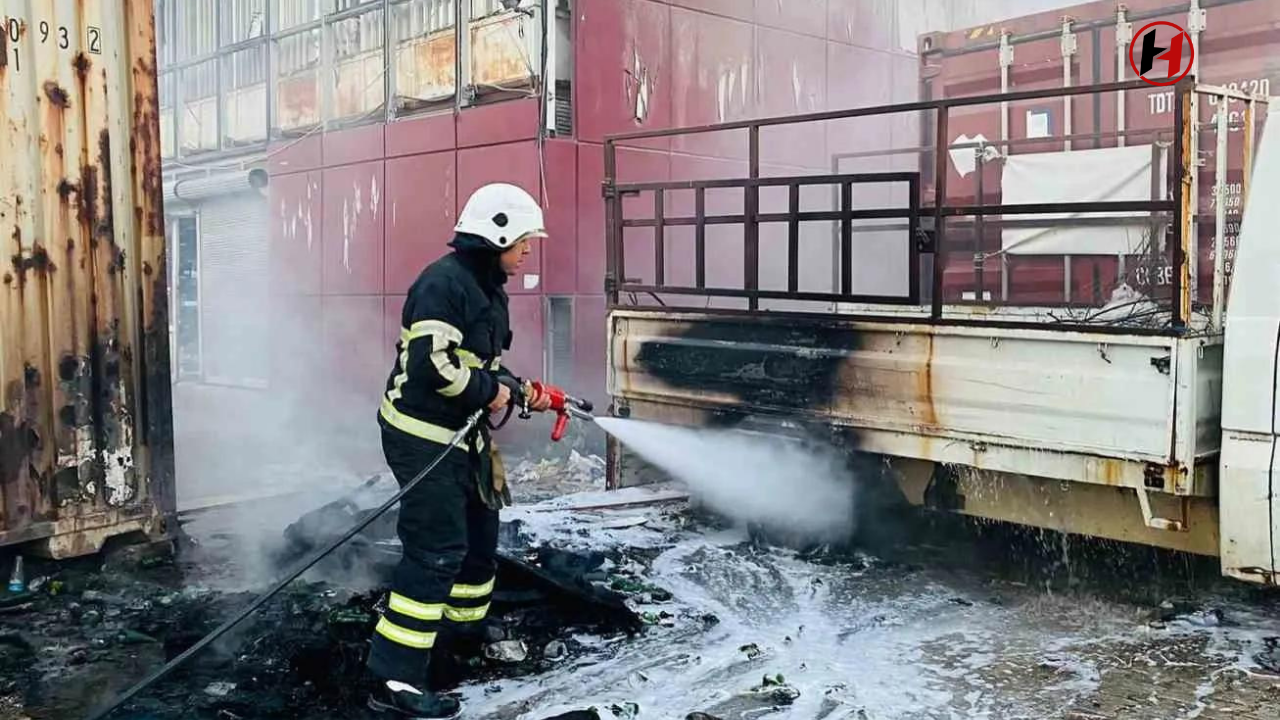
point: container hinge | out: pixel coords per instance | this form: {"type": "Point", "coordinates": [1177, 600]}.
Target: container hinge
{"type": "Point", "coordinates": [1124, 28]}
{"type": "Point", "coordinates": [1006, 49]}
{"type": "Point", "coordinates": [1197, 18]}
{"type": "Point", "coordinates": [1068, 44]}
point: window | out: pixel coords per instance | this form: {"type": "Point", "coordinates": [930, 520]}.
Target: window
{"type": "Point", "coordinates": [358, 77]}
{"type": "Point", "coordinates": [298, 104]}
{"type": "Point", "coordinates": [197, 24]}
{"type": "Point", "coordinates": [426, 51]}
{"type": "Point", "coordinates": [292, 13]}
{"type": "Point", "coordinates": [244, 93]}
{"type": "Point", "coordinates": [243, 20]}
{"type": "Point", "coordinates": [198, 115]}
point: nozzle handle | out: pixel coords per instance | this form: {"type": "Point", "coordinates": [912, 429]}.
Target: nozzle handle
{"type": "Point", "coordinates": [562, 424]}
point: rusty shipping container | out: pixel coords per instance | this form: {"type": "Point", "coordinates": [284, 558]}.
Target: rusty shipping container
{"type": "Point", "coordinates": [1237, 46]}
{"type": "Point", "coordinates": [86, 449]}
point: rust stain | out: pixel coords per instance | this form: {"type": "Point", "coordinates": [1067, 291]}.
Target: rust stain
{"type": "Point", "coordinates": [88, 197]}
{"type": "Point", "coordinates": [925, 385]}
{"type": "Point", "coordinates": [65, 189]}
{"type": "Point", "coordinates": [57, 95]}
{"type": "Point", "coordinates": [82, 65]}
{"type": "Point", "coordinates": [106, 225]}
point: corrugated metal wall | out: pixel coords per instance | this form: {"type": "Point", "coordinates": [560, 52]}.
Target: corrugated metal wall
{"type": "Point", "coordinates": [233, 283]}
{"type": "Point", "coordinates": [85, 425]}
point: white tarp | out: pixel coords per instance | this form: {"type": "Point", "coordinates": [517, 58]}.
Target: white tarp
{"type": "Point", "coordinates": [1106, 174]}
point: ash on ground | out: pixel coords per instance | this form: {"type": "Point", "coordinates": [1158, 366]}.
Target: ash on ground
{"type": "Point", "coordinates": [652, 610]}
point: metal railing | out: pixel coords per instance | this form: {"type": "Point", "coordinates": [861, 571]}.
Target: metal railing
{"type": "Point", "coordinates": [928, 224]}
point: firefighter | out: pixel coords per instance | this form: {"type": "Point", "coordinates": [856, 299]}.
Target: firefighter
{"type": "Point", "coordinates": [454, 328]}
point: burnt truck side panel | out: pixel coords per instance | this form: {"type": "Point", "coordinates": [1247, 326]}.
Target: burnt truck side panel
{"type": "Point", "coordinates": [85, 420]}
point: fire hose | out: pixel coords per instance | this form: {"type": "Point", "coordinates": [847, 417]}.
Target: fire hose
{"type": "Point", "coordinates": [562, 404]}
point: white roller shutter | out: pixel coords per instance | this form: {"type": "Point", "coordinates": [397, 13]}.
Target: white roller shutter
{"type": "Point", "coordinates": [233, 290]}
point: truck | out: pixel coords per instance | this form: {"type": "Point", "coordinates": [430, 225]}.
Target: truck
{"type": "Point", "coordinates": [1118, 407]}
{"type": "Point", "coordinates": [86, 428]}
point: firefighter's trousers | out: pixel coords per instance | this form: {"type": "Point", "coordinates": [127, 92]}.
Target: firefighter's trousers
{"type": "Point", "coordinates": [446, 574]}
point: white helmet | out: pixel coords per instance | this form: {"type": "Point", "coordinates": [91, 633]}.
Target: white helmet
{"type": "Point", "coordinates": [502, 214]}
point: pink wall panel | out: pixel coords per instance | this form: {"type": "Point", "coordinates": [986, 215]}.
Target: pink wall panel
{"type": "Point", "coordinates": [354, 203]}
{"type": "Point", "coordinates": [858, 78]}
{"type": "Point", "coordinates": [355, 145]}
{"type": "Point", "coordinates": [515, 163]}
{"type": "Point", "coordinates": [560, 251]}
{"type": "Point", "coordinates": [432, 133]}
{"type": "Point", "coordinates": [500, 122]}
{"type": "Point", "coordinates": [869, 23]}
{"type": "Point", "coordinates": [590, 358]}
{"type": "Point", "coordinates": [422, 210]}
{"type": "Point", "coordinates": [355, 344]}
{"type": "Point", "coordinates": [802, 16]}
{"type": "Point", "coordinates": [623, 68]}
{"type": "Point", "coordinates": [724, 249]}
{"type": "Point", "coordinates": [634, 165]}
{"type": "Point", "coordinates": [906, 88]}
{"type": "Point", "coordinates": [392, 311]}
{"type": "Point", "coordinates": [740, 9]}
{"type": "Point", "coordinates": [295, 233]}
{"type": "Point", "coordinates": [525, 356]}
{"type": "Point", "coordinates": [794, 82]}
{"type": "Point", "coordinates": [714, 80]}
{"type": "Point", "coordinates": [294, 155]}
{"type": "Point", "coordinates": [297, 321]}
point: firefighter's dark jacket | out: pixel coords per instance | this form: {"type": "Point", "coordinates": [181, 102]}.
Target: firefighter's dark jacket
{"type": "Point", "coordinates": [454, 327]}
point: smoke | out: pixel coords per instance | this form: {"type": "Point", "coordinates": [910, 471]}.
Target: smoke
{"type": "Point", "coordinates": [778, 483]}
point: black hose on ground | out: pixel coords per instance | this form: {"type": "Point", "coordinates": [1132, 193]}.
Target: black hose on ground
{"type": "Point", "coordinates": [284, 582]}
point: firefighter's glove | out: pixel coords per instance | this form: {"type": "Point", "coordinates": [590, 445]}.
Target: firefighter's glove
{"type": "Point", "coordinates": [502, 399]}
{"type": "Point", "coordinates": [538, 400]}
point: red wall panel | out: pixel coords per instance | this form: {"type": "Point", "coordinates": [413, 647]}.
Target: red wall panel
{"type": "Point", "coordinates": [589, 356]}
{"type": "Point", "coordinates": [803, 16]}
{"type": "Point", "coordinates": [306, 153]}
{"type": "Point", "coordinates": [634, 165]}
{"type": "Point", "coordinates": [355, 344]}
{"type": "Point", "coordinates": [355, 145]}
{"type": "Point", "coordinates": [392, 310]}
{"type": "Point", "coordinates": [297, 322]}
{"type": "Point", "coordinates": [624, 62]}
{"type": "Point", "coordinates": [422, 199]}
{"type": "Point", "coordinates": [432, 133]}
{"type": "Point", "coordinates": [858, 78]}
{"type": "Point", "coordinates": [560, 251]}
{"type": "Point", "coordinates": [724, 251]}
{"type": "Point", "coordinates": [295, 233]}
{"type": "Point", "coordinates": [500, 122]}
{"type": "Point", "coordinates": [740, 9]}
{"type": "Point", "coordinates": [515, 163]}
{"type": "Point", "coordinates": [354, 202]}
{"type": "Point", "coordinates": [713, 80]}
{"type": "Point", "coordinates": [869, 23]}
{"type": "Point", "coordinates": [793, 71]}
{"type": "Point", "coordinates": [525, 356]}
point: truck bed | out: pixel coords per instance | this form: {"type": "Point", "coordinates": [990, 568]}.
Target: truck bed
{"type": "Point", "coordinates": [1138, 411]}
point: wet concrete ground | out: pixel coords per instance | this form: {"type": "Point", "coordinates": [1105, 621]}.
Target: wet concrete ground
{"type": "Point", "coordinates": [937, 619]}
{"type": "Point", "coordinates": [931, 633]}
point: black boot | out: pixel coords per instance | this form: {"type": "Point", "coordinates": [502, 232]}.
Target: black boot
{"type": "Point", "coordinates": [400, 700]}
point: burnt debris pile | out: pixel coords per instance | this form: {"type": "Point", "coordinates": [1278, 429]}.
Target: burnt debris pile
{"type": "Point", "coordinates": [85, 631]}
